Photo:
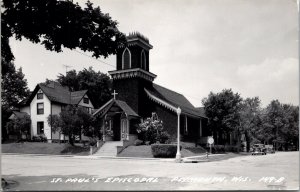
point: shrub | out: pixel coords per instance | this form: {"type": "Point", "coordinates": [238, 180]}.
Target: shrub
{"type": "Point", "coordinates": [164, 150]}
{"type": "Point", "coordinates": [39, 138]}
{"type": "Point", "coordinates": [163, 137]}
{"type": "Point", "coordinates": [216, 149]}
{"type": "Point", "coordinates": [230, 148]}
{"type": "Point", "coordinates": [138, 142]}
{"type": "Point", "coordinates": [151, 129]}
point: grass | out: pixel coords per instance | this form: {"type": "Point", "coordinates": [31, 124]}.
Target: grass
{"type": "Point", "coordinates": [44, 148]}
{"type": "Point", "coordinates": [188, 150]}
{"type": "Point", "coordinates": [137, 151]}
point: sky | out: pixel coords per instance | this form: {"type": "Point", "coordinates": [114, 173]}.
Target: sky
{"type": "Point", "coordinates": [199, 46]}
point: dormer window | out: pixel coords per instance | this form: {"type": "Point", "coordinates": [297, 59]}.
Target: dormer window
{"type": "Point", "coordinates": [143, 60]}
{"type": "Point", "coordinates": [126, 59]}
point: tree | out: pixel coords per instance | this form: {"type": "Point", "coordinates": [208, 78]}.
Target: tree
{"type": "Point", "coordinates": [14, 90]}
{"type": "Point", "coordinates": [290, 129]}
{"type": "Point", "coordinates": [222, 110]}
{"type": "Point", "coordinates": [19, 126]}
{"type": "Point", "coordinates": [97, 83]}
{"type": "Point", "coordinates": [274, 122]}
{"type": "Point", "coordinates": [72, 121]}
{"type": "Point", "coordinates": [250, 120]}
{"type": "Point", "coordinates": [57, 24]}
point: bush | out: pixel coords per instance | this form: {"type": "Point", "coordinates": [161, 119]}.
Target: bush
{"type": "Point", "coordinates": [164, 137]}
{"type": "Point", "coordinates": [152, 130]}
{"type": "Point", "coordinates": [138, 142]}
{"type": "Point", "coordinates": [216, 149]}
{"type": "Point", "coordinates": [223, 149]}
{"type": "Point", "coordinates": [230, 148]}
{"type": "Point", "coordinates": [39, 138]}
{"type": "Point", "coordinates": [164, 150]}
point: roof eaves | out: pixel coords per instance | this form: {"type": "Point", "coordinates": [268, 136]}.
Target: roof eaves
{"type": "Point", "coordinates": [160, 101]}
{"type": "Point", "coordinates": [101, 108]}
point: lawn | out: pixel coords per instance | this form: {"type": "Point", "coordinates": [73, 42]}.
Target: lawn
{"type": "Point", "coordinates": [145, 151]}
{"type": "Point", "coordinates": [44, 148]}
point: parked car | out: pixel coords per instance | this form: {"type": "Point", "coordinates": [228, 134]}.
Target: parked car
{"type": "Point", "coordinates": [259, 151]}
{"type": "Point", "coordinates": [270, 149]}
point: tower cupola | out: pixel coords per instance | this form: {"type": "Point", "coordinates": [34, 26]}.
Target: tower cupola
{"type": "Point", "coordinates": [133, 58]}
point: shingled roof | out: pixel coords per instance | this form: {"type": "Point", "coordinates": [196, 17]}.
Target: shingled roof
{"type": "Point", "coordinates": [113, 102]}
{"type": "Point", "coordinates": [58, 93]}
{"type": "Point", "coordinates": [17, 114]}
{"type": "Point", "coordinates": [172, 99]}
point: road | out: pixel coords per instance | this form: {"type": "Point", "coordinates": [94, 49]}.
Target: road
{"type": "Point", "coordinates": [272, 171]}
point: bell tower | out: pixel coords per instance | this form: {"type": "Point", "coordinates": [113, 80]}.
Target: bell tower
{"type": "Point", "coordinates": [132, 74]}
{"type": "Point", "coordinates": [135, 54]}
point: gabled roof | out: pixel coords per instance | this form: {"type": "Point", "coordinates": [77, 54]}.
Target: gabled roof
{"type": "Point", "coordinates": [171, 99]}
{"type": "Point", "coordinates": [121, 104]}
{"type": "Point", "coordinates": [58, 93]}
{"type": "Point", "coordinates": [17, 114]}
{"type": "Point", "coordinates": [76, 96]}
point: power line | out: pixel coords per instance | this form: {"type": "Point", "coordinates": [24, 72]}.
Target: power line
{"type": "Point", "coordinates": [96, 59]}
{"type": "Point", "coordinates": [115, 66]}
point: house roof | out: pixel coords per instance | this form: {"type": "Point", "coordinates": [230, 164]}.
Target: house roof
{"type": "Point", "coordinates": [172, 100]}
{"type": "Point", "coordinates": [121, 104]}
{"type": "Point", "coordinates": [76, 96]}
{"type": "Point", "coordinates": [17, 114]}
{"type": "Point", "coordinates": [58, 93]}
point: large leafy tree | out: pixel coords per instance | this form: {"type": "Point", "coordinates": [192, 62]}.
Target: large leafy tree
{"type": "Point", "coordinates": [97, 83]}
{"type": "Point", "coordinates": [57, 24]}
{"type": "Point", "coordinates": [280, 124]}
{"type": "Point", "coordinates": [250, 120]}
{"type": "Point", "coordinates": [72, 121]}
{"type": "Point", "coordinates": [222, 109]}
{"type": "Point", "coordinates": [13, 90]}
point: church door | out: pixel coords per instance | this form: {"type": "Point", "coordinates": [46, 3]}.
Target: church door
{"type": "Point", "coordinates": [124, 129]}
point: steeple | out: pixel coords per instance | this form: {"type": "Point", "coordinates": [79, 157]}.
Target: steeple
{"type": "Point", "coordinates": [133, 59]}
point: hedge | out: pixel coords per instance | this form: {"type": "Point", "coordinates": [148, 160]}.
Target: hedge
{"type": "Point", "coordinates": [223, 149]}
{"type": "Point", "coordinates": [164, 150]}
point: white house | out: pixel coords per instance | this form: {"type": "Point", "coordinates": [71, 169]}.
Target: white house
{"type": "Point", "coordinates": [49, 99]}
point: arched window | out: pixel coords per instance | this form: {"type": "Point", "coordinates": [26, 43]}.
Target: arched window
{"type": "Point", "coordinates": [126, 59]}
{"type": "Point", "coordinates": [143, 60]}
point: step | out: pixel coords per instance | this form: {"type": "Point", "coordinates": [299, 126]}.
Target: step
{"type": "Point", "coordinates": [109, 148]}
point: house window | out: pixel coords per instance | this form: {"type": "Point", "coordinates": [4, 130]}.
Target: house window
{"type": "Point", "coordinates": [40, 108]}
{"type": "Point", "coordinates": [126, 59]}
{"type": "Point", "coordinates": [40, 127]}
{"type": "Point", "coordinates": [86, 100]}
{"type": "Point", "coordinates": [40, 96]}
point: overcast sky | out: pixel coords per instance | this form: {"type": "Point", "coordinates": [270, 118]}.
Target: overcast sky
{"type": "Point", "coordinates": [199, 46]}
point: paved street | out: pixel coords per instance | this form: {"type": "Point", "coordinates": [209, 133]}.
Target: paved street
{"type": "Point", "coordinates": [273, 171]}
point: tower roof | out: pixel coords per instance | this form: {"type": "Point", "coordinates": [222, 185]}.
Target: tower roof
{"type": "Point", "coordinates": [136, 38]}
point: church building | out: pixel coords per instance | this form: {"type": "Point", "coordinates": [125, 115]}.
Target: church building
{"type": "Point", "coordinates": [137, 97]}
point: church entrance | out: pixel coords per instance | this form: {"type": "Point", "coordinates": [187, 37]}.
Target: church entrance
{"type": "Point", "coordinates": [116, 117]}
{"type": "Point", "coordinates": [124, 129]}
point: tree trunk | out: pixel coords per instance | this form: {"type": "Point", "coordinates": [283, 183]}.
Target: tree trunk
{"type": "Point", "coordinates": [71, 139]}
{"type": "Point", "coordinates": [247, 141]}
{"type": "Point", "coordinates": [238, 140]}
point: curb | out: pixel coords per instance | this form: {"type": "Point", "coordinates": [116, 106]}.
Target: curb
{"type": "Point", "coordinates": [92, 157]}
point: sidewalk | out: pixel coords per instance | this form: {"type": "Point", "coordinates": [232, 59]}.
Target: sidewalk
{"type": "Point", "coordinates": [192, 159]}
{"type": "Point", "coordinates": [94, 157]}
